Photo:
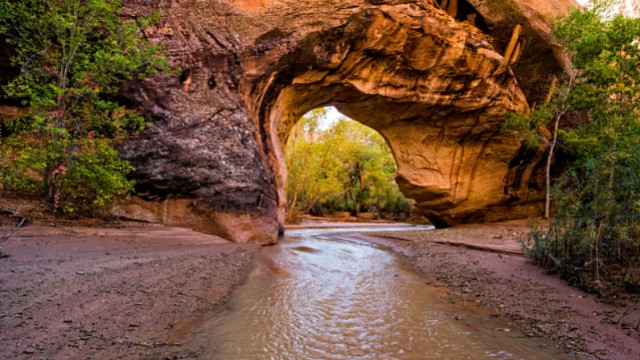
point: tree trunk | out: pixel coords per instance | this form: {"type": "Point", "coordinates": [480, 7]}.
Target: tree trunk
{"type": "Point", "coordinates": [554, 141]}
{"type": "Point", "coordinates": [360, 195]}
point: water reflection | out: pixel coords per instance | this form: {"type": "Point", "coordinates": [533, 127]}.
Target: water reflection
{"type": "Point", "coordinates": [312, 297]}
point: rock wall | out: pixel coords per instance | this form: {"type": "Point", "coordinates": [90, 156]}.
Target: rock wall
{"type": "Point", "coordinates": [434, 78]}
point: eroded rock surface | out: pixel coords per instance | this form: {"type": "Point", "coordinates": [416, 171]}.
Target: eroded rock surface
{"type": "Point", "coordinates": [434, 78]}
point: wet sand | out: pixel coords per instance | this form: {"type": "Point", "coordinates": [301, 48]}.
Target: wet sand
{"type": "Point", "coordinates": [128, 291]}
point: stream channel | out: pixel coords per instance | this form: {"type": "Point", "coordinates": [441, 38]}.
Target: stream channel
{"type": "Point", "coordinates": [315, 297]}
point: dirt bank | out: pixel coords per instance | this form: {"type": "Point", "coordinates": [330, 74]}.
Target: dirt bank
{"type": "Point", "coordinates": [535, 303]}
{"type": "Point", "coordinates": [127, 291]}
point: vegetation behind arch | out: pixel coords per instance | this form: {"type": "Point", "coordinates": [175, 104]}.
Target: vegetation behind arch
{"type": "Point", "coordinates": [346, 167]}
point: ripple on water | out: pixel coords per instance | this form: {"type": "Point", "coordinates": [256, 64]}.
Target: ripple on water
{"type": "Point", "coordinates": [315, 298]}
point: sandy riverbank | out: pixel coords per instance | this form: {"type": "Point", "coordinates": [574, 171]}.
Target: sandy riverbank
{"type": "Point", "coordinates": [128, 291]}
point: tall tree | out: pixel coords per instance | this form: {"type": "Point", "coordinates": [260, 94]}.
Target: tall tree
{"type": "Point", "coordinates": [311, 159]}
{"type": "Point", "coordinates": [531, 126]}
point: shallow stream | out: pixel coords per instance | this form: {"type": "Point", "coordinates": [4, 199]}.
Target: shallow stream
{"type": "Point", "coordinates": [314, 297]}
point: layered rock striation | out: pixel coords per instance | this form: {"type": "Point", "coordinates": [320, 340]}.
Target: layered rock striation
{"type": "Point", "coordinates": [434, 78]}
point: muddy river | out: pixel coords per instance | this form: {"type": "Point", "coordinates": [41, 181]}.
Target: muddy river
{"type": "Point", "coordinates": [314, 297]}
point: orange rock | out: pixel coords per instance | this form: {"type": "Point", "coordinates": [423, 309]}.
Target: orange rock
{"type": "Point", "coordinates": [435, 86]}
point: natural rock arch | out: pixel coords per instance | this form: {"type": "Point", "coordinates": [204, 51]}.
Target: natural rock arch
{"type": "Point", "coordinates": [436, 92]}
{"type": "Point", "coordinates": [435, 87]}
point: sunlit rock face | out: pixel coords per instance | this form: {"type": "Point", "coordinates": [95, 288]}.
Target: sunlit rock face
{"type": "Point", "coordinates": [434, 78]}
{"type": "Point", "coordinates": [630, 8]}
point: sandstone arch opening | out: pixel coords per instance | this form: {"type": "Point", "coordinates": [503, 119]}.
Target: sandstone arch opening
{"type": "Point", "coordinates": [337, 167]}
{"type": "Point", "coordinates": [437, 98]}
{"type": "Point", "coordinates": [447, 161]}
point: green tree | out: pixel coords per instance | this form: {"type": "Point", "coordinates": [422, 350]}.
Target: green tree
{"type": "Point", "coordinates": [594, 235]}
{"type": "Point", "coordinates": [312, 162]}
{"type": "Point", "coordinates": [71, 57]}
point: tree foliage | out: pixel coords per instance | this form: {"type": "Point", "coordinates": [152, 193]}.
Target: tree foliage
{"type": "Point", "coordinates": [594, 235]}
{"type": "Point", "coordinates": [347, 167]}
{"type": "Point", "coordinates": [71, 57]}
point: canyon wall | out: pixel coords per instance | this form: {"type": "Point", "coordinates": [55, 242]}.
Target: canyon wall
{"type": "Point", "coordinates": [435, 78]}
